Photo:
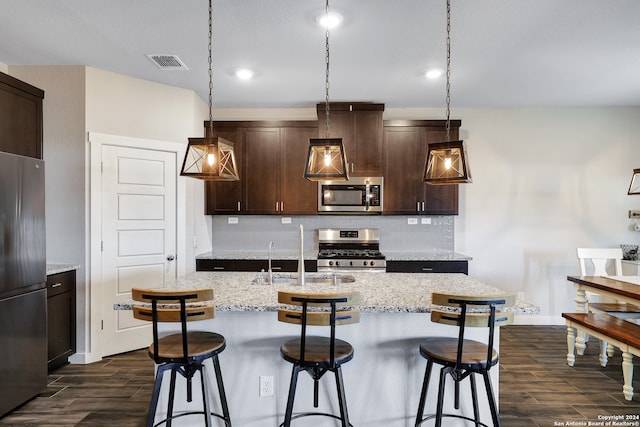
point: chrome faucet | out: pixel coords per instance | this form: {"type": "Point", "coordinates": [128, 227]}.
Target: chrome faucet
{"type": "Point", "coordinates": [271, 246]}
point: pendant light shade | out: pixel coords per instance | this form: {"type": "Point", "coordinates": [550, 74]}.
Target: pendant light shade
{"type": "Point", "coordinates": [326, 160]}
{"type": "Point", "coordinates": [634, 186]}
{"type": "Point", "coordinates": [447, 164]}
{"type": "Point", "coordinates": [210, 159]}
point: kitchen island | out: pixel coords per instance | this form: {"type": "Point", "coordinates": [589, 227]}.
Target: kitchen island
{"type": "Point", "coordinates": [382, 381]}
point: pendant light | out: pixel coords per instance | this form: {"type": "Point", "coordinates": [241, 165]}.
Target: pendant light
{"type": "Point", "coordinates": [210, 158]}
{"type": "Point", "coordinates": [326, 159]}
{"type": "Point", "coordinates": [634, 186]}
{"type": "Point", "coordinates": [446, 162]}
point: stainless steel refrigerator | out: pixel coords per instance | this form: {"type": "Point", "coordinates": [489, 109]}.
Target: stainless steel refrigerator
{"type": "Point", "coordinates": [23, 294]}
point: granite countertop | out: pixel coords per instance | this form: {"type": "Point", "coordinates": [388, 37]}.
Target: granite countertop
{"type": "Point", "coordinates": [380, 292]}
{"type": "Point", "coordinates": [60, 268]}
{"type": "Point", "coordinates": [308, 255]}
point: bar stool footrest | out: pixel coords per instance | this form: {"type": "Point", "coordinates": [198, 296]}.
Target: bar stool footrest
{"type": "Point", "coordinates": [462, 417]}
{"type": "Point", "coordinates": [182, 414]}
{"type": "Point", "coordinates": [309, 414]}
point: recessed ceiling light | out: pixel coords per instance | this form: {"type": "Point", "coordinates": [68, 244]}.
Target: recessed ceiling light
{"type": "Point", "coordinates": [244, 74]}
{"type": "Point", "coordinates": [434, 73]}
{"type": "Point", "coordinates": [332, 20]}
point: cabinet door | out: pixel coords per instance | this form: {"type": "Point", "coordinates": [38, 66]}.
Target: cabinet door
{"type": "Point", "coordinates": [366, 149]}
{"type": "Point", "coordinates": [225, 197]}
{"type": "Point", "coordinates": [438, 199]}
{"type": "Point", "coordinates": [402, 170]}
{"type": "Point", "coordinates": [298, 195]}
{"type": "Point", "coordinates": [360, 127]}
{"type": "Point", "coordinates": [61, 317]}
{"type": "Point", "coordinates": [20, 117]}
{"type": "Point", "coordinates": [262, 170]}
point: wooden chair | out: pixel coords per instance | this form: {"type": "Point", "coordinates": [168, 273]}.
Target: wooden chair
{"type": "Point", "coordinates": [461, 357]}
{"type": "Point", "coordinates": [185, 352]}
{"type": "Point", "coordinates": [599, 258]}
{"type": "Point", "coordinates": [317, 355]}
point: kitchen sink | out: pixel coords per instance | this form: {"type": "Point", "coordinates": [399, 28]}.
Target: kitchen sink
{"type": "Point", "coordinates": [310, 278]}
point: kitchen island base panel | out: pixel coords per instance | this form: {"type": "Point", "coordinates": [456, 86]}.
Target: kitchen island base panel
{"type": "Point", "coordinates": [383, 386]}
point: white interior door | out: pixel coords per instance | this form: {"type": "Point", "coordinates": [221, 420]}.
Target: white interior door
{"type": "Point", "coordinates": [138, 236]}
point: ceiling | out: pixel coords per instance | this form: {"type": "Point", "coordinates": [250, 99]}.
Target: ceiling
{"type": "Point", "coordinates": [504, 53]}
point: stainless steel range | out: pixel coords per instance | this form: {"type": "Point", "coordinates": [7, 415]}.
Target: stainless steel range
{"type": "Point", "coordinates": [355, 249]}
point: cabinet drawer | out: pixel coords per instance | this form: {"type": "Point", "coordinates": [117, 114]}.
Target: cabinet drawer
{"type": "Point", "coordinates": [61, 282]}
{"type": "Point", "coordinates": [459, 266]}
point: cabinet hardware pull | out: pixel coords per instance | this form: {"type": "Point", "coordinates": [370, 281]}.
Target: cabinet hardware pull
{"type": "Point", "coordinates": [422, 206]}
{"type": "Point", "coordinates": [56, 285]}
{"type": "Point", "coordinates": [277, 204]}
{"type": "Point", "coordinates": [238, 206]}
{"type": "Point", "coordinates": [417, 206]}
{"type": "Point", "coordinates": [427, 269]}
{"type": "Point", "coordinates": [276, 268]}
{"type": "Point", "coordinates": [281, 206]}
{"type": "Point", "coordinates": [217, 267]}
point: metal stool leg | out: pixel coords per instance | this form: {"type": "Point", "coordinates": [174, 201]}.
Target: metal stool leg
{"type": "Point", "coordinates": [153, 406]}
{"type": "Point", "coordinates": [474, 399]}
{"type": "Point", "coordinates": [492, 400]}
{"type": "Point", "coordinates": [423, 394]}
{"type": "Point", "coordinates": [172, 394]}
{"type": "Point", "coordinates": [443, 377]}
{"type": "Point", "coordinates": [221, 392]}
{"type": "Point", "coordinates": [292, 394]}
{"type": "Point", "coordinates": [344, 414]}
{"type": "Point", "coordinates": [205, 397]}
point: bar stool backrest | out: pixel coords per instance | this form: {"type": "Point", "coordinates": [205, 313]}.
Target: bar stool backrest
{"type": "Point", "coordinates": [472, 311]}
{"type": "Point", "coordinates": [326, 310]}
{"type": "Point", "coordinates": [171, 306]}
{"type": "Point", "coordinates": [599, 257]}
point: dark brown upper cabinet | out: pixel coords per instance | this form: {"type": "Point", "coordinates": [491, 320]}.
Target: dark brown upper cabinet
{"type": "Point", "coordinates": [20, 117]}
{"type": "Point", "coordinates": [359, 124]}
{"type": "Point", "coordinates": [271, 157]}
{"type": "Point", "coordinates": [404, 154]}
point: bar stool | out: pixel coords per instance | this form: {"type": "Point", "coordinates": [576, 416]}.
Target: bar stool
{"type": "Point", "coordinates": [317, 355]}
{"type": "Point", "coordinates": [185, 352]}
{"type": "Point", "coordinates": [460, 357]}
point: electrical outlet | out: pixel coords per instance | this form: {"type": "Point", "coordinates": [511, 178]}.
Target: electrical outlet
{"type": "Point", "coordinates": [412, 221]}
{"type": "Point", "coordinates": [266, 385]}
{"type": "Point", "coordinates": [232, 220]}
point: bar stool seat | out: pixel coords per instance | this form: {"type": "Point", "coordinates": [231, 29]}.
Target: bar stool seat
{"type": "Point", "coordinates": [317, 351]}
{"type": "Point", "coordinates": [185, 352]}
{"type": "Point", "coordinates": [314, 354]}
{"type": "Point", "coordinates": [461, 357]}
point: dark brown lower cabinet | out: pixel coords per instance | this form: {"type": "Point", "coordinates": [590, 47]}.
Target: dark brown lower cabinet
{"type": "Point", "coordinates": [277, 265]}
{"type": "Point", "coordinates": [457, 266]}
{"type": "Point", "coordinates": [61, 318]}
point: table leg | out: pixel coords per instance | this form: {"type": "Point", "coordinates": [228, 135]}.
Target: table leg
{"type": "Point", "coordinates": [581, 307]}
{"type": "Point", "coordinates": [603, 353]}
{"type": "Point", "coordinates": [627, 372]}
{"type": "Point", "coordinates": [571, 340]}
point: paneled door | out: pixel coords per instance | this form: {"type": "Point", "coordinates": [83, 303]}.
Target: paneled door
{"type": "Point", "coordinates": [138, 236]}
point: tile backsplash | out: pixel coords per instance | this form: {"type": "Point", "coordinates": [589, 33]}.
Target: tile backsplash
{"type": "Point", "coordinates": [253, 232]}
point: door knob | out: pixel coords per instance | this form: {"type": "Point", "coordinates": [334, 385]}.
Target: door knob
{"type": "Point", "coordinates": [170, 258]}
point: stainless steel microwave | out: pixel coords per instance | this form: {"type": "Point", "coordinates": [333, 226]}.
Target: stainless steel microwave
{"type": "Point", "coordinates": [357, 195]}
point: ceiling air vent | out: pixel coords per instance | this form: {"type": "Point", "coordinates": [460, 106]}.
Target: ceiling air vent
{"type": "Point", "coordinates": [167, 62]}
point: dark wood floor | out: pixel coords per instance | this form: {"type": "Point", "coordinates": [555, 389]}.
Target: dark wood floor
{"type": "Point", "coordinates": [537, 388]}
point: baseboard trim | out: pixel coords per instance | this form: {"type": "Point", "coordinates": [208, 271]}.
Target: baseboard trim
{"type": "Point", "coordinates": [84, 358]}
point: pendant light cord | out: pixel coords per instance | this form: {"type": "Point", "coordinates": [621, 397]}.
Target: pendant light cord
{"type": "Point", "coordinates": [210, 70]}
{"type": "Point", "coordinates": [448, 99]}
{"type": "Point", "coordinates": [326, 82]}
